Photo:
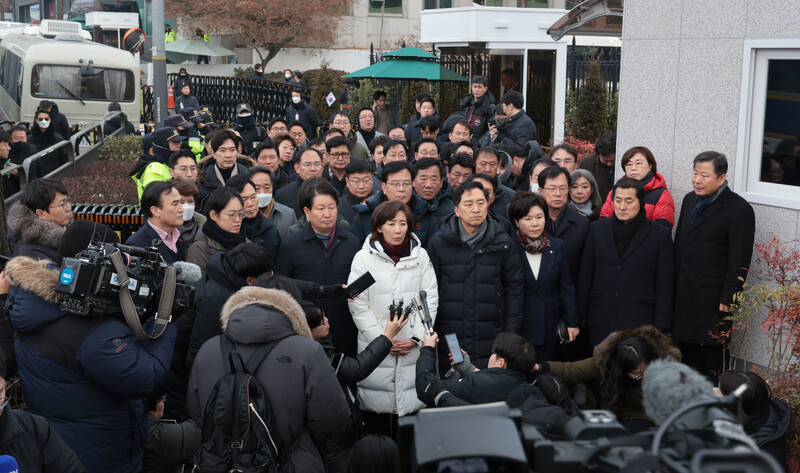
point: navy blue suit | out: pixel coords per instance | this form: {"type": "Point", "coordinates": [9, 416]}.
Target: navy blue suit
{"type": "Point", "coordinates": [145, 236]}
{"type": "Point", "coordinates": [548, 297]}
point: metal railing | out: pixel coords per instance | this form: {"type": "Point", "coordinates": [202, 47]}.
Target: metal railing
{"type": "Point", "coordinates": [83, 146]}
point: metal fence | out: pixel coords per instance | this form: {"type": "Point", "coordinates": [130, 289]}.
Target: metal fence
{"type": "Point", "coordinates": [222, 94]}
{"type": "Point", "coordinates": [578, 59]}
{"type": "Point", "coordinates": [81, 147]}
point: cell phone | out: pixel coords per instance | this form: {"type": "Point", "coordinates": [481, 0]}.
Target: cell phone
{"type": "Point", "coordinates": [360, 285]}
{"type": "Point", "coordinates": [455, 348]}
{"type": "Point", "coordinates": [336, 361]}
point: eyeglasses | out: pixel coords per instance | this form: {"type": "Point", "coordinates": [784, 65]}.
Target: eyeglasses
{"type": "Point", "coordinates": [234, 215]}
{"type": "Point", "coordinates": [311, 165]}
{"type": "Point", "coordinates": [187, 168]}
{"type": "Point", "coordinates": [287, 148]}
{"type": "Point", "coordinates": [341, 122]}
{"type": "Point", "coordinates": [358, 181]}
{"type": "Point", "coordinates": [399, 185]}
{"type": "Point", "coordinates": [279, 129]}
{"type": "Point", "coordinates": [340, 155]}
{"type": "Point", "coordinates": [554, 189]}
{"type": "Point", "coordinates": [64, 204]}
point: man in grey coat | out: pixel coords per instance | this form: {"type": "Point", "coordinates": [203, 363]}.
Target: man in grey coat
{"type": "Point", "coordinates": [308, 405]}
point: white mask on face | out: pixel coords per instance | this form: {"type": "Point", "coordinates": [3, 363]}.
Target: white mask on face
{"type": "Point", "coordinates": [44, 124]}
{"type": "Point", "coordinates": [264, 200]}
{"type": "Point", "coordinates": [188, 212]}
{"type": "Point", "coordinates": [535, 187]}
{"type": "Point", "coordinates": [287, 75]}
{"type": "Point", "coordinates": [296, 99]}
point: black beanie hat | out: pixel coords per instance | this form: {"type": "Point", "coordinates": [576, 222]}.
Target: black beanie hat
{"type": "Point", "coordinates": [80, 233]}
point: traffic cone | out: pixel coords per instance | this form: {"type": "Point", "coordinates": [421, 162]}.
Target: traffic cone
{"type": "Point", "coordinates": [170, 99]}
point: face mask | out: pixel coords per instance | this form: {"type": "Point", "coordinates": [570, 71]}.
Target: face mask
{"type": "Point", "coordinates": [535, 187]}
{"type": "Point", "coordinates": [247, 122]}
{"type": "Point", "coordinates": [296, 99]}
{"type": "Point", "coordinates": [264, 200]}
{"type": "Point", "coordinates": [18, 147]}
{"type": "Point", "coordinates": [501, 121]}
{"type": "Point", "coordinates": [188, 212]}
{"type": "Point", "coordinates": [287, 76]}
{"type": "Point", "coordinates": [44, 124]}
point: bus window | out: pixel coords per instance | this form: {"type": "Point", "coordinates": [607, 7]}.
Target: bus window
{"type": "Point", "coordinates": [67, 82]}
{"type": "Point", "coordinates": [10, 74]}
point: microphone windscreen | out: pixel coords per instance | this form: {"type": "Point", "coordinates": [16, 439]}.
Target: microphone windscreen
{"type": "Point", "coordinates": [187, 272]}
{"type": "Point", "coordinates": [668, 385]}
{"type": "Point", "coordinates": [8, 464]}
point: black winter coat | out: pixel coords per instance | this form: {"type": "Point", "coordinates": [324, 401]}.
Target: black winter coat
{"type": "Point", "coordinates": [547, 297]}
{"type": "Point", "coordinates": [31, 440]}
{"type": "Point", "coordinates": [43, 140]}
{"type": "Point", "coordinates": [346, 203]}
{"type": "Point", "coordinates": [572, 228]}
{"type": "Point", "coordinates": [711, 256]}
{"type": "Point", "coordinates": [306, 115]}
{"type": "Point", "coordinates": [309, 407]}
{"type": "Point", "coordinates": [265, 234]}
{"type": "Point", "coordinates": [771, 428]}
{"type": "Point", "coordinates": [520, 129]}
{"type": "Point", "coordinates": [617, 293]}
{"type": "Point", "coordinates": [60, 123]}
{"type": "Point", "coordinates": [287, 195]}
{"type": "Point", "coordinates": [480, 289]}
{"type": "Point", "coordinates": [478, 112]}
{"type": "Point", "coordinates": [210, 180]}
{"type": "Point", "coordinates": [218, 284]}
{"type": "Point", "coordinates": [425, 223]}
{"type": "Point", "coordinates": [144, 237]}
{"type": "Point", "coordinates": [303, 256]}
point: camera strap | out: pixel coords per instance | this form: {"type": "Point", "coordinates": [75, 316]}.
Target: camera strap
{"type": "Point", "coordinates": [128, 307]}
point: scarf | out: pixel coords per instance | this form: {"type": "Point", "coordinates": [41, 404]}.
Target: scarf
{"type": "Point", "coordinates": [647, 178]}
{"type": "Point", "coordinates": [585, 208]}
{"type": "Point", "coordinates": [267, 211]}
{"type": "Point", "coordinates": [702, 202]}
{"type": "Point", "coordinates": [367, 135]}
{"type": "Point", "coordinates": [472, 240]}
{"type": "Point", "coordinates": [534, 247]}
{"type": "Point", "coordinates": [226, 172]}
{"type": "Point", "coordinates": [228, 240]}
{"type": "Point", "coordinates": [624, 232]}
{"type": "Point", "coordinates": [396, 252]}
{"type": "Point", "coordinates": [188, 230]}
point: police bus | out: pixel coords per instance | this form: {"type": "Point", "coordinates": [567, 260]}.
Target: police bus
{"type": "Point", "coordinates": [57, 61]}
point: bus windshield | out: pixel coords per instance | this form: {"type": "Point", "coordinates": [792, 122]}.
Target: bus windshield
{"type": "Point", "coordinates": [67, 82]}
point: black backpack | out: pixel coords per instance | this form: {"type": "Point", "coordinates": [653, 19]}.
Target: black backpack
{"type": "Point", "coordinates": [238, 434]}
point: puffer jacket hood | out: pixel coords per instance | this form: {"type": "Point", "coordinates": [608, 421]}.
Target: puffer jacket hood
{"type": "Point", "coordinates": [220, 270]}
{"type": "Point", "coordinates": [35, 276]}
{"type": "Point", "coordinates": [662, 344]}
{"type": "Point", "coordinates": [243, 322]}
{"type": "Point", "coordinates": [777, 426]}
{"type": "Point", "coordinates": [32, 229]}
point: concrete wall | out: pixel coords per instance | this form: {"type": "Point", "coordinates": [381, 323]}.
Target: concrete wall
{"type": "Point", "coordinates": [680, 90]}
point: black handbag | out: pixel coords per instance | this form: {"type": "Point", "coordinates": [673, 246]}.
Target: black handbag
{"type": "Point", "coordinates": [561, 331]}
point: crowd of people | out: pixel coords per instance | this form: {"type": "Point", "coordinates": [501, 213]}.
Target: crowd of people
{"type": "Point", "coordinates": [560, 281]}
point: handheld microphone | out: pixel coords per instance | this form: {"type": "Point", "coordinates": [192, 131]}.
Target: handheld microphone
{"type": "Point", "coordinates": [426, 319]}
{"type": "Point", "coordinates": [8, 464]}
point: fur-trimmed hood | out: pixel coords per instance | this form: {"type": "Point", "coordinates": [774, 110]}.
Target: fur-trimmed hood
{"type": "Point", "coordinates": [252, 324]}
{"type": "Point", "coordinates": [662, 344]}
{"type": "Point", "coordinates": [31, 229]}
{"type": "Point", "coordinates": [34, 276]}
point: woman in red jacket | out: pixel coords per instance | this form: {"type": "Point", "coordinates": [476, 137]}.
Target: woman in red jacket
{"type": "Point", "coordinates": [639, 163]}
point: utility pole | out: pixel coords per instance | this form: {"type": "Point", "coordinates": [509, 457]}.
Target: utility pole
{"type": "Point", "coordinates": [159, 64]}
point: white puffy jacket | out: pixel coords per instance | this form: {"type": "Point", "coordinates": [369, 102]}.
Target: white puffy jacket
{"type": "Point", "coordinates": [390, 388]}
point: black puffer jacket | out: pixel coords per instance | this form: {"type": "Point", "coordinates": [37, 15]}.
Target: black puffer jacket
{"type": "Point", "coordinates": [478, 112]}
{"type": "Point", "coordinates": [219, 282]}
{"type": "Point", "coordinates": [770, 429]}
{"type": "Point", "coordinates": [480, 290]}
{"type": "Point", "coordinates": [309, 407]}
{"type": "Point", "coordinates": [31, 440]}
{"type": "Point", "coordinates": [43, 139]}
{"type": "Point", "coordinates": [263, 233]}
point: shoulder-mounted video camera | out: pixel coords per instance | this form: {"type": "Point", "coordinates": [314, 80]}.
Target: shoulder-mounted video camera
{"type": "Point", "coordinates": [110, 278]}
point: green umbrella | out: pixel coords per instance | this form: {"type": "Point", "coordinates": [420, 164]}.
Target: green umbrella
{"type": "Point", "coordinates": [186, 48]}
{"type": "Point", "coordinates": [408, 64]}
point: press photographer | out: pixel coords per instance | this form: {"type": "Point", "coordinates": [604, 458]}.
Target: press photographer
{"type": "Point", "coordinates": [88, 375]}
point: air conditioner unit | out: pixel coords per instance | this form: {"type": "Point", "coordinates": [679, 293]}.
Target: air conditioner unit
{"type": "Point", "coordinates": [54, 27]}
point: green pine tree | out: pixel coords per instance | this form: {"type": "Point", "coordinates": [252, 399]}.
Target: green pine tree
{"type": "Point", "coordinates": [592, 113]}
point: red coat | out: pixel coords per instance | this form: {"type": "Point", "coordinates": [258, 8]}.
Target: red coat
{"type": "Point", "coordinates": [658, 206]}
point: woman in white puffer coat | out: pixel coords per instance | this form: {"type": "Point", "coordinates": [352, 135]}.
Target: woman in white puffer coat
{"type": "Point", "coordinates": [401, 268]}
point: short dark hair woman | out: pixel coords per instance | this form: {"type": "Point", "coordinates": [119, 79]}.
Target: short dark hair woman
{"type": "Point", "coordinates": [221, 232]}
{"type": "Point", "coordinates": [549, 293]}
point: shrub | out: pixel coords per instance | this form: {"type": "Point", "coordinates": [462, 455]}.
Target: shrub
{"type": "Point", "coordinates": [121, 148]}
{"type": "Point", "coordinates": [324, 81]}
{"type": "Point", "coordinates": [103, 182]}
{"type": "Point", "coordinates": [592, 113]}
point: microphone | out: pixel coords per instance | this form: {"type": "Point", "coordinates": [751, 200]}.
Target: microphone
{"type": "Point", "coordinates": [186, 272]}
{"type": "Point", "coordinates": [426, 320]}
{"type": "Point", "coordinates": [8, 464]}
{"type": "Point", "coordinates": [669, 385]}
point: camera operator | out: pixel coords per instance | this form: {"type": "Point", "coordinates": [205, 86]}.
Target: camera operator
{"type": "Point", "coordinates": [512, 358]}
{"type": "Point", "coordinates": [619, 363]}
{"type": "Point", "coordinates": [87, 375]}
